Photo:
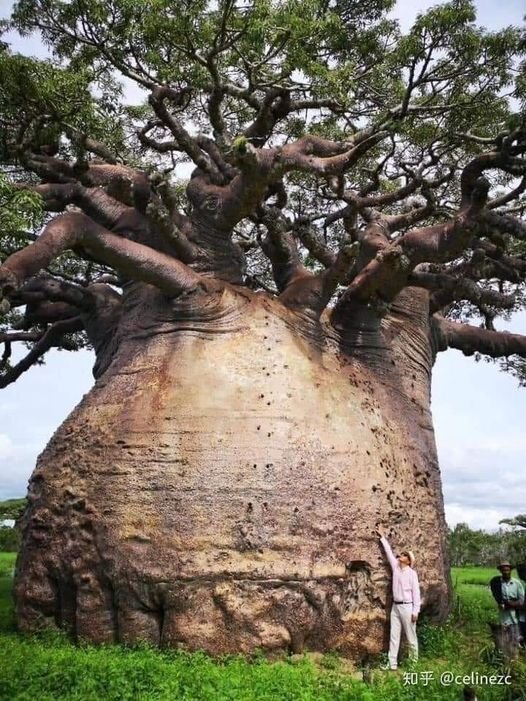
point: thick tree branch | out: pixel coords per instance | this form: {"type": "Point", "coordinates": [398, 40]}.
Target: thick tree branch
{"type": "Point", "coordinates": [275, 106]}
{"type": "Point", "coordinates": [338, 272]}
{"type": "Point", "coordinates": [512, 268]}
{"type": "Point", "coordinates": [159, 146]}
{"type": "Point", "coordinates": [381, 200]}
{"type": "Point", "coordinates": [316, 155]}
{"type": "Point", "coordinates": [448, 289]}
{"type": "Point", "coordinates": [471, 339]}
{"type": "Point", "coordinates": [310, 239]}
{"type": "Point", "coordinates": [225, 205]}
{"type": "Point", "coordinates": [127, 185]}
{"type": "Point", "coordinates": [259, 167]}
{"type": "Point", "coordinates": [90, 144]}
{"type": "Point", "coordinates": [495, 159]}
{"type": "Point", "coordinates": [71, 230]}
{"type": "Point", "coordinates": [210, 147]}
{"type": "Point", "coordinates": [280, 247]}
{"type": "Point", "coordinates": [14, 336]}
{"type": "Point", "coordinates": [51, 170]}
{"type": "Point", "coordinates": [299, 287]}
{"type": "Point", "coordinates": [385, 275]}
{"type": "Point", "coordinates": [165, 224]}
{"type": "Point", "coordinates": [51, 289]}
{"type": "Point", "coordinates": [505, 224]}
{"type": "Point", "coordinates": [44, 312]}
{"type": "Point", "coordinates": [509, 196]}
{"type": "Point", "coordinates": [93, 201]}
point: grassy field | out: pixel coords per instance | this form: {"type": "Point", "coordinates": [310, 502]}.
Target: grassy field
{"type": "Point", "coordinates": [49, 668]}
{"type": "Point", "coordinates": [7, 564]}
{"type": "Point", "coordinates": [472, 575]}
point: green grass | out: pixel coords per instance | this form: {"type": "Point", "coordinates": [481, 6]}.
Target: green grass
{"type": "Point", "coordinates": [472, 575]}
{"type": "Point", "coordinates": [474, 605]}
{"type": "Point", "coordinates": [7, 563]}
{"type": "Point", "coordinates": [51, 668]}
{"type": "Point", "coordinates": [7, 566]}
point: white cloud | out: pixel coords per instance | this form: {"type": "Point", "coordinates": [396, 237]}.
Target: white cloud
{"type": "Point", "coordinates": [486, 519]}
{"type": "Point", "coordinates": [489, 13]}
{"type": "Point", "coordinates": [6, 446]}
{"type": "Point", "coordinates": [40, 400]}
{"type": "Point", "coordinates": [484, 483]}
{"type": "Point", "coordinates": [17, 460]}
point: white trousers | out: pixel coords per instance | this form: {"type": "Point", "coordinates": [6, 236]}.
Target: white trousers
{"type": "Point", "coordinates": [401, 620]}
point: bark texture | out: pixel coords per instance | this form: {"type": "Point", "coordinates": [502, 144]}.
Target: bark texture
{"type": "Point", "coordinates": [218, 487]}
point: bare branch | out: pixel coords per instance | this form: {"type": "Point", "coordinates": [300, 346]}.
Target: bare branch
{"type": "Point", "coordinates": [338, 272]}
{"type": "Point", "coordinates": [90, 144]}
{"type": "Point", "coordinates": [49, 339]}
{"type": "Point", "coordinates": [509, 196]}
{"type": "Point", "coordinates": [315, 155]}
{"type": "Point", "coordinates": [186, 142]}
{"type": "Point", "coordinates": [486, 161]}
{"type": "Point", "coordinates": [44, 312]}
{"type": "Point", "coordinates": [47, 288]}
{"type": "Point", "coordinates": [470, 339]}
{"type": "Point", "coordinates": [275, 106]}
{"type": "Point", "coordinates": [486, 140]}
{"type": "Point", "coordinates": [14, 336]}
{"type": "Point", "coordinates": [93, 201]}
{"type": "Point", "coordinates": [165, 224]}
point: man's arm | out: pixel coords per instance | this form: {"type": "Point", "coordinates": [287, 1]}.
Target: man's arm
{"type": "Point", "coordinates": [387, 548]}
{"type": "Point", "coordinates": [496, 589]}
{"type": "Point", "coordinates": [522, 601]}
{"type": "Point", "coordinates": [521, 591]}
{"type": "Point", "coordinates": [415, 586]}
{"type": "Point", "coordinates": [517, 601]}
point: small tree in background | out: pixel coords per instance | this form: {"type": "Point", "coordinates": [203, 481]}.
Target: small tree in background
{"type": "Point", "coordinates": [519, 542]}
{"type": "Point", "coordinates": [10, 509]}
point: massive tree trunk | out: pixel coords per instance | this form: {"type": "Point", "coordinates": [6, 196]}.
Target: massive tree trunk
{"type": "Point", "coordinates": [219, 486]}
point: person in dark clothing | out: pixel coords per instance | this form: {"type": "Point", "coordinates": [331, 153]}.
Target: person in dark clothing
{"type": "Point", "coordinates": [496, 589]}
{"type": "Point", "coordinates": [509, 595]}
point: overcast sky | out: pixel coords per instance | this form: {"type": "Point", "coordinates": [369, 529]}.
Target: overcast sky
{"type": "Point", "coordinates": [479, 412]}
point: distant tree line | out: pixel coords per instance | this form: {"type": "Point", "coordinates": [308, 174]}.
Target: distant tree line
{"type": "Point", "coordinates": [12, 508]}
{"type": "Point", "coordinates": [477, 547]}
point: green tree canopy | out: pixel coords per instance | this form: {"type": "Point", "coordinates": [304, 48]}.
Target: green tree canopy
{"type": "Point", "coordinates": [321, 138]}
{"type": "Point", "coordinates": [519, 521]}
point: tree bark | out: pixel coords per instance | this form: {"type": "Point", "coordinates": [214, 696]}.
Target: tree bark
{"type": "Point", "coordinates": [220, 485]}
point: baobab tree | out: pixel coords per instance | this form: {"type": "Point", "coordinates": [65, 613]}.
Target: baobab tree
{"type": "Point", "coordinates": [264, 330]}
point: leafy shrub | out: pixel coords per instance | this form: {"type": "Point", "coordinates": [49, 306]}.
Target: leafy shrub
{"type": "Point", "coordinates": [12, 508]}
{"type": "Point", "coordinates": [9, 539]}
